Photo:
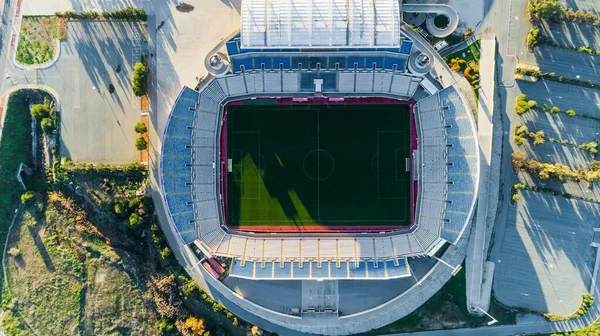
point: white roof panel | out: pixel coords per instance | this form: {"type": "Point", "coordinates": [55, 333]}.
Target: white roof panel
{"type": "Point", "coordinates": [320, 23]}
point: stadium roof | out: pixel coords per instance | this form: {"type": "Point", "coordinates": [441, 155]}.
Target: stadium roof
{"type": "Point", "coordinates": [320, 23]}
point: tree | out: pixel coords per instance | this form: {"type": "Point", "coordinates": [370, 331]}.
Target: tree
{"type": "Point", "coordinates": [194, 326]}
{"type": "Point", "coordinates": [518, 160]}
{"type": "Point", "coordinates": [555, 109]}
{"type": "Point", "coordinates": [571, 113]}
{"type": "Point", "coordinates": [47, 125]}
{"type": "Point", "coordinates": [121, 208]}
{"type": "Point", "coordinates": [533, 38]}
{"type": "Point", "coordinates": [141, 144]}
{"type": "Point", "coordinates": [140, 79]}
{"type": "Point", "coordinates": [39, 111]}
{"type": "Point", "coordinates": [14, 252]}
{"type": "Point", "coordinates": [166, 253]}
{"type": "Point", "coordinates": [256, 331]}
{"type": "Point", "coordinates": [163, 326]}
{"type": "Point", "coordinates": [540, 10]}
{"type": "Point", "coordinates": [136, 222]}
{"type": "Point", "coordinates": [140, 128]}
{"type": "Point", "coordinates": [516, 198]}
{"type": "Point", "coordinates": [27, 197]}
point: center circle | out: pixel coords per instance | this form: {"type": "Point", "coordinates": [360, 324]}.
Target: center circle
{"type": "Point", "coordinates": [318, 165]}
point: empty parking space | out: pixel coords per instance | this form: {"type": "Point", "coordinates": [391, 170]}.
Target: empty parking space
{"type": "Point", "coordinates": [93, 78]}
{"type": "Point", "coordinates": [545, 261]}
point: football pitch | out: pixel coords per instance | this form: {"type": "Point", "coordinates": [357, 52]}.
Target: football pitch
{"type": "Point", "coordinates": [305, 166]}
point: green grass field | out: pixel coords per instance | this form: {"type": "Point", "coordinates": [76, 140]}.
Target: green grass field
{"type": "Point", "coordinates": [312, 165]}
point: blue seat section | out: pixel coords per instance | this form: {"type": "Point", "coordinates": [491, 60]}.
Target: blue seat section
{"type": "Point", "coordinates": [175, 165]}
{"type": "Point", "coordinates": [339, 272]}
{"type": "Point", "coordinates": [248, 63]}
{"type": "Point", "coordinates": [263, 273]}
{"type": "Point", "coordinates": [340, 60]}
{"type": "Point", "coordinates": [399, 62]}
{"type": "Point", "coordinates": [175, 157]}
{"type": "Point", "coordinates": [179, 126]}
{"type": "Point", "coordinates": [359, 271]}
{"type": "Point", "coordinates": [394, 50]}
{"type": "Point", "coordinates": [376, 272]}
{"type": "Point", "coordinates": [179, 203]}
{"type": "Point", "coordinates": [183, 222]}
{"type": "Point", "coordinates": [460, 201]}
{"type": "Point", "coordinates": [177, 184]}
{"type": "Point", "coordinates": [245, 271]}
{"type": "Point", "coordinates": [314, 61]}
{"type": "Point", "coordinates": [328, 269]}
{"type": "Point", "coordinates": [307, 81]}
{"type": "Point", "coordinates": [302, 273]}
{"type": "Point", "coordinates": [284, 272]}
{"type": "Point", "coordinates": [352, 60]}
{"type": "Point", "coordinates": [394, 271]}
{"type": "Point", "coordinates": [406, 47]}
{"type": "Point", "coordinates": [232, 48]}
{"type": "Point", "coordinates": [374, 59]}
{"type": "Point", "coordinates": [300, 61]}
{"type": "Point", "coordinates": [462, 164]}
{"type": "Point", "coordinates": [322, 272]}
{"type": "Point", "coordinates": [282, 61]}
{"type": "Point", "coordinates": [451, 230]}
{"type": "Point", "coordinates": [267, 61]}
{"type": "Point", "coordinates": [189, 235]}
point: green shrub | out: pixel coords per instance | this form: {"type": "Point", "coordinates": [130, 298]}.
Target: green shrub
{"type": "Point", "coordinates": [134, 203]}
{"type": "Point", "coordinates": [140, 128]}
{"type": "Point", "coordinates": [540, 10]}
{"type": "Point", "coordinates": [585, 49]}
{"type": "Point", "coordinates": [516, 197]}
{"type": "Point", "coordinates": [518, 186]}
{"type": "Point", "coordinates": [27, 198]}
{"type": "Point", "coordinates": [47, 125]}
{"type": "Point", "coordinates": [571, 113]}
{"type": "Point", "coordinates": [141, 144]}
{"type": "Point", "coordinates": [39, 111]}
{"type": "Point", "coordinates": [555, 109]}
{"type": "Point", "coordinates": [136, 222]}
{"type": "Point", "coordinates": [533, 38]}
{"type": "Point", "coordinates": [523, 104]}
{"type": "Point", "coordinates": [140, 79]}
{"type": "Point", "coordinates": [166, 253]}
{"type": "Point", "coordinates": [163, 326]}
{"type": "Point", "coordinates": [121, 208]}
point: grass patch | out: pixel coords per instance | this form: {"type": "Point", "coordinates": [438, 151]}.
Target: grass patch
{"type": "Point", "coordinates": [37, 41]}
{"type": "Point", "coordinates": [314, 173]}
{"type": "Point", "coordinates": [447, 309]}
{"type": "Point", "coordinates": [15, 147]}
{"type": "Point", "coordinates": [466, 61]}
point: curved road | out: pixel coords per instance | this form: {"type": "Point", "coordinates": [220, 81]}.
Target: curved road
{"type": "Point", "coordinates": [445, 10]}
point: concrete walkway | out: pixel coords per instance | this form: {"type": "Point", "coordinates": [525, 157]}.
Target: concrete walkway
{"type": "Point", "coordinates": [476, 298]}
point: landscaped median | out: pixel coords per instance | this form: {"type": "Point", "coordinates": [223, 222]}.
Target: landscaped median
{"type": "Point", "coordinates": [551, 76]}
{"type": "Point", "coordinates": [586, 303]}
{"type": "Point", "coordinates": [40, 36]}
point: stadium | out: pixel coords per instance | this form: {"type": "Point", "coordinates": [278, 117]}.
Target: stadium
{"type": "Point", "coordinates": [329, 153]}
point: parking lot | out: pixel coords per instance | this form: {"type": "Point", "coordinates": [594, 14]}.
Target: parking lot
{"type": "Point", "coordinates": [542, 241]}
{"type": "Point", "coordinates": [93, 79]}
{"type": "Point", "coordinates": [546, 260]}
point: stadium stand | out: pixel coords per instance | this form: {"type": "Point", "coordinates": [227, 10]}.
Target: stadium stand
{"type": "Point", "coordinates": [389, 269]}
{"type": "Point", "coordinates": [176, 171]}
{"type": "Point", "coordinates": [447, 155]}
